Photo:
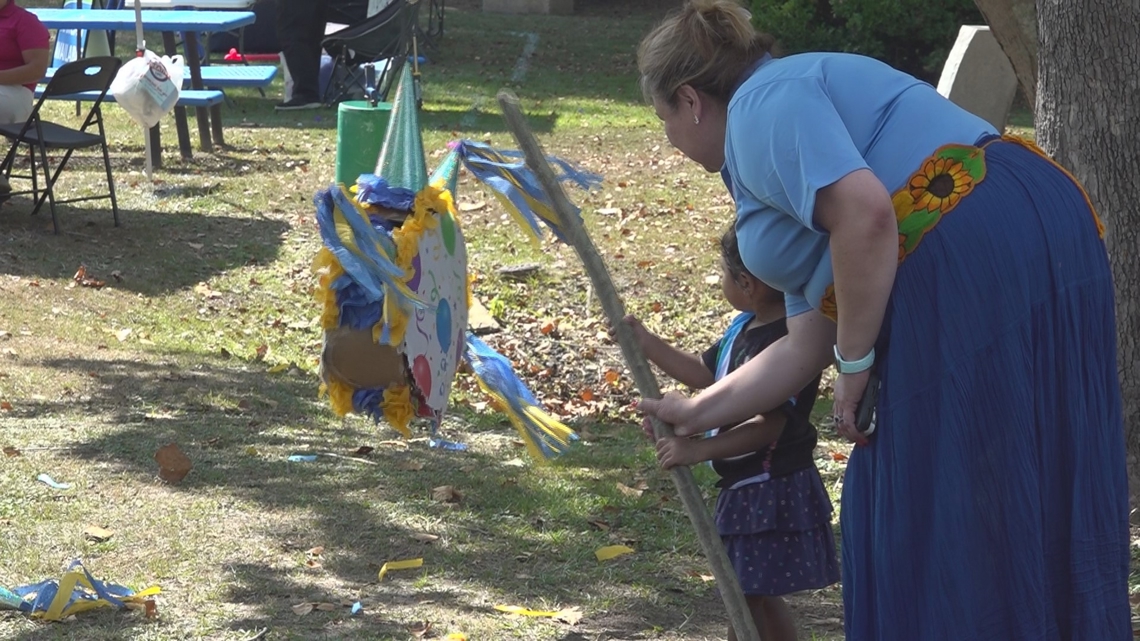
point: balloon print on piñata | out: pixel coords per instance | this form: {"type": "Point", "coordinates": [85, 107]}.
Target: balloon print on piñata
{"type": "Point", "coordinates": [442, 277]}
{"type": "Point", "coordinates": [394, 287]}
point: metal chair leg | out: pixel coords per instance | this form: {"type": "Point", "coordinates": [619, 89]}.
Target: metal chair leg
{"type": "Point", "coordinates": [107, 166]}
{"type": "Point", "coordinates": [35, 181]}
{"type": "Point", "coordinates": [47, 190]}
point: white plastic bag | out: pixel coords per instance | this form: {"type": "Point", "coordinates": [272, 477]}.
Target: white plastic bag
{"type": "Point", "coordinates": [148, 87]}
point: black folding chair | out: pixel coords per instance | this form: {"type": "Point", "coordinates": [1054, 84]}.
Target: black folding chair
{"type": "Point", "coordinates": [431, 35]}
{"type": "Point", "coordinates": [87, 75]}
{"type": "Point", "coordinates": [385, 36]}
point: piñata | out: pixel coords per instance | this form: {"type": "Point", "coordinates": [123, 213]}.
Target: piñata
{"type": "Point", "coordinates": [394, 287]}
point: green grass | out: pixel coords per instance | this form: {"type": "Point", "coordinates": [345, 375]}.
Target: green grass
{"type": "Point", "coordinates": [210, 273]}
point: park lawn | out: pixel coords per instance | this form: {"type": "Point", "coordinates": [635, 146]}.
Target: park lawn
{"type": "Point", "coordinates": [205, 335]}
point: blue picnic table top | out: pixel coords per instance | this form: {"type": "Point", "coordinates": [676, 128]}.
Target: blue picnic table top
{"type": "Point", "coordinates": [220, 75]}
{"type": "Point", "coordinates": [153, 20]}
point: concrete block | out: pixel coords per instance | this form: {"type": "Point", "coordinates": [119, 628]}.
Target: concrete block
{"type": "Point", "coordinates": [979, 77]}
{"type": "Point", "coordinates": [553, 7]}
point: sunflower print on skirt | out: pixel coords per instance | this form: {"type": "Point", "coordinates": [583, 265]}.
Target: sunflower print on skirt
{"type": "Point", "coordinates": [943, 180]}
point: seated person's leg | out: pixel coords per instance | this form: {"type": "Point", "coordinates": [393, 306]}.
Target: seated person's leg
{"type": "Point", "coordinates": [15, 104]}
{"type": "Point", "coordinates": [300, 26]}
{"type": "Point", "coordinates": [347, 12]}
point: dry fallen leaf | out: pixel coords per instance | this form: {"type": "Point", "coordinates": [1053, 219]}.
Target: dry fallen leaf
{"type": "Point", "coordinates": [151, 609]}
{"type": "Point", "coordinates": [420, 630]}
{"type": "Point", "coordinates": [704, 577]}
{"type": "Point", "coordinates": [312, 563]}
{"type": "Point", "coordinates": [569, 616]}
{"type": "Point", "coordinates": [600, 524]}
{"type": "Point", "coordinates": [97, 534]}
{"type": "Point", "coordinates": [173, 465]}
{"type": "Point", "coordinates": [363, 450]}
{"type": "Point", "coordinates": [476, 206]}
{"type": "Point", "coordinates": [629, 491]}
{"type": "Point", "coordinates": [303, 608]}
{"type": "Point", "coordinates": [446, 494]}
{"type": "Point", "coordinates": [326, 607]}
{"type": "Point", "coordinates": [424, 537]}
{"type": "Point", "coordinates": [11, 452]}
{"type": "Point", "coordinates": [838, 456]}
{"type": "Point", "coordinates": [317, 551]}
{"type": "Point", "coordinates": [612, 376]}
{"type": "Point", "coordinates": [87, 280]}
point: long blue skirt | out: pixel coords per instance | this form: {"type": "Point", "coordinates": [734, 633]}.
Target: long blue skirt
{"type": "Point", "coordinates": [992, 501]}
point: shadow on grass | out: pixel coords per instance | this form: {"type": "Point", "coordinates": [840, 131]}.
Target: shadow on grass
{"type": "Point", "coordinates": [520, 534]}
{"type": "Point", "coordinates": [153, 252]}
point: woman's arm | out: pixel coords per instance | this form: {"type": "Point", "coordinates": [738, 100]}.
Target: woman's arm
{"type": "Point", "coordinates": [33, 70]}
{"type": "Point", "coordinates": [764, 383]}
{"type": "Point", "coordinates": [747, 437]}
{"type": "Point", "coordinates": [857, 213]}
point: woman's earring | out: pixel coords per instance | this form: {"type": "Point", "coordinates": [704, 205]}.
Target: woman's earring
{"type": "Point", "coordinates": [696, 121]}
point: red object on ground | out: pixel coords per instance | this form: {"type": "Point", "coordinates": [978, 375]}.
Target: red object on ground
{"type": "Point", "coordinates": [234, 56]}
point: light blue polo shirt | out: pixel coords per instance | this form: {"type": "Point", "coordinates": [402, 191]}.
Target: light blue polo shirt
{"type": "Point", "coordinates": [801, 123]}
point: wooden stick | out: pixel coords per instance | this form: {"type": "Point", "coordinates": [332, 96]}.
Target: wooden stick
{"type": "Point", "coordinates": [734, 601]}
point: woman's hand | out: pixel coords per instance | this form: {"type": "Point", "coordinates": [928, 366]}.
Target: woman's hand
{"type": "Point", "coordinates": [673, 451]}
{"type": "Point", "coordinates": [849, 390]}
{"type": "Point", "coordinates": [673, 408]}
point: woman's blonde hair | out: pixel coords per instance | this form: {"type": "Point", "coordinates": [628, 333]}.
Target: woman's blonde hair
{"type": "Point", "coordinates": [707, 44]}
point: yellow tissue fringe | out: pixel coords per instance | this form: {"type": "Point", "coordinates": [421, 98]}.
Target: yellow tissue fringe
{"type": "Point", "coordinates": [397, 407]}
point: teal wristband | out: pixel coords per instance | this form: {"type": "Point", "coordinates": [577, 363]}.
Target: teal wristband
{"type": "Point", "coordinates": [856, 366]}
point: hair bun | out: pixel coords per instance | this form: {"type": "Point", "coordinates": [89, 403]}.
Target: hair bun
{"type": "Point", "coordinates": [720, 23]}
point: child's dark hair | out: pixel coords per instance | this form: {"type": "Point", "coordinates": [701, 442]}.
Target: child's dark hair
{"type": "Point", "coordinates": [730, 252]}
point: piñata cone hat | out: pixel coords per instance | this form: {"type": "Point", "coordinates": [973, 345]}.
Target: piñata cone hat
{"type": "Point", "coordinates": [401, 160]}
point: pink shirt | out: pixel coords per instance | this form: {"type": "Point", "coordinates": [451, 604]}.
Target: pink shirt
{"type": "Point", "coordinates": [19, 32]}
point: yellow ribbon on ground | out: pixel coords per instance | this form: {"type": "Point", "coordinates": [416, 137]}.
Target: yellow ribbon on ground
{"type": "Point", "coordinates": [406, 564]}
{"type": "Point", "coordinates": [612, 552]}
{"type": "Point", "coordinates": [59, 610]}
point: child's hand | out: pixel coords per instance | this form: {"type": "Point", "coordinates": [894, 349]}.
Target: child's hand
{"type": "Point", "coordinates": [640, 333]}
{"type": "Point", "coordinates": [647, 428]}
{"type": "Point", "coordinates": [676, 450]}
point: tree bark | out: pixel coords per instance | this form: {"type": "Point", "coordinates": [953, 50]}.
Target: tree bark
{"type": "Point", "coordinates": [1014, 25]}
{"type": "Point", "coordinates": [1088, 119]}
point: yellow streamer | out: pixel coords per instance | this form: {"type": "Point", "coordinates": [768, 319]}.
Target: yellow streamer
{"type": "Point", "coordinates": [340, 397]}
{"type": "Point", "coordinates": [398, 410]}
{"type": "Point", "coordinates": [612, 552]}
{"type": "Point", "coordinates": [406, 564]}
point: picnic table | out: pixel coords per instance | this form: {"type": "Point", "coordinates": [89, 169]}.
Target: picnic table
{"type": "Point", "coordinates": [169, 22]}
{"type": "Point", "coordinates": [196, 4]}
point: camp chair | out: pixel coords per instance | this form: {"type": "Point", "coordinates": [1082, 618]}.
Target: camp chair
{"type": "Point", "coordinates": [386, 36]}
{"type": "Point", "coordinates": [89, 74]}
{"type": "Point", "coordinates": [431, 34]}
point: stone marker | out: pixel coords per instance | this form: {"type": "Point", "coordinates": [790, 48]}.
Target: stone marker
{"type": "Point", "coordinates": [556, 7]}
{"type": "Point", "coordinates": [978, 76]}
{"type": "Point", "coordinates": [479, 320]}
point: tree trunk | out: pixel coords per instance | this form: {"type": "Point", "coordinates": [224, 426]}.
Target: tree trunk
{"type": "Point", "coordinates": [1088, 119]}
{"type": "Point", "coordinates": [1014, 25]}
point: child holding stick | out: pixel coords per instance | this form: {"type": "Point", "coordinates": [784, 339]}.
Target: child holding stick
{"type": "Point", "coordinates": [773, 513]}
